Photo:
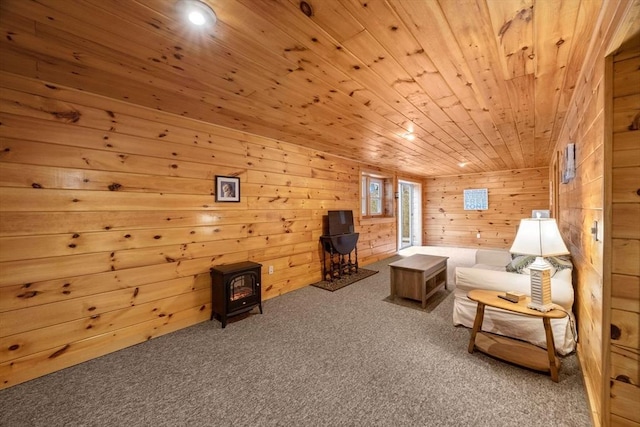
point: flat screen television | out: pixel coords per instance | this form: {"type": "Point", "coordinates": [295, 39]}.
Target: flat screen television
{"type": "Point", "coordinates": [340, 222]}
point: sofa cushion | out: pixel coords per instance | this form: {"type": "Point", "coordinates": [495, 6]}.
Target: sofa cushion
{"type": "Point", "coordinates": [493, 257]}
{"type": "Point", "coordinates": [489, 267]}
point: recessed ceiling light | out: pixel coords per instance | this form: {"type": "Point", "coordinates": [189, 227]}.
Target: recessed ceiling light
{"type": "Point", "coordinates": [462, 164]}
{"type": "Point", "coordinates": [197, 12]}
{"type": "Point", "coordinates": [197, 18]}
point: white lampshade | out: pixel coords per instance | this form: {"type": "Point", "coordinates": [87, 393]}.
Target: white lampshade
{"type": "Point", "coordinates": [539, 237]}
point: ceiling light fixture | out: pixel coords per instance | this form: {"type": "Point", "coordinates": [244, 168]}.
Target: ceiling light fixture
{"type": "Point", "coordinates": [197, 12]}
{"type": "Point", "coordinates": [196, 17]}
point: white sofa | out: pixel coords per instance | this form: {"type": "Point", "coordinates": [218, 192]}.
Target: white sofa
{"type": "Point", "coordinates": [489, 273]}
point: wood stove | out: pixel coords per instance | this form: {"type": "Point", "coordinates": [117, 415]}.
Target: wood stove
{"type": "Point", "coordinates": [235, 289]}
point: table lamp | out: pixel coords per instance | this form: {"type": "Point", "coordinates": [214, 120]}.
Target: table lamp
{"type": "Point", "coordinates": [539, 237]}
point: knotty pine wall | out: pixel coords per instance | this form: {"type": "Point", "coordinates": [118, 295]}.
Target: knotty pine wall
{"type": "Point", "coordinates": [623, 275]}
{"type": "Point", "coordinates": [592, 126]}
{"type": "Point", "coordinates": [513, 195]}
{"type": "Point", "coordinates": [108, 225]}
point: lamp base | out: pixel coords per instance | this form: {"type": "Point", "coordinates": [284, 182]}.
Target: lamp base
{"type": "Point", "coordinates": [540, 286]}
{"type": "Point", "coordinates": [540, 307]}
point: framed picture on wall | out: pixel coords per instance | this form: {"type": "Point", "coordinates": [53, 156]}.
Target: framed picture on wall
{"type": "Point", "coordinates": [476, 199]}
{"type": "Point", "coordinates": [569, 170]}
{"type": "Point", "coordinates": [227, 189]}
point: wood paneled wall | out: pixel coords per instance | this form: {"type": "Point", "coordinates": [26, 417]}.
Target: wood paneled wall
{"type": "Point", "coordinates": [108, 225]}
{"type": "Point", "coordinates": [622, 277]}
{"type": "Point", "coordinates": [581, 202]}
{"type": "Point", "coordinates": [513, 195]}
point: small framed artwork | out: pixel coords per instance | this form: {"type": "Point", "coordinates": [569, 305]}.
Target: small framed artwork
{"type": "Point", "coordinates": [569, 170]}
{"type": "Point", "coordinates": [476, 199]}
{"type": "Point", "coordinates": [227, 189]}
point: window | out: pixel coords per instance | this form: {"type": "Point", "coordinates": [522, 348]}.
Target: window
{"type": "Point", "coordinates": [376, 196]}
{"type": "Point", "coordinates": [376, 190]}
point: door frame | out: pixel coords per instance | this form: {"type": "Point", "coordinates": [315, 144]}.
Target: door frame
{"type": "Point", "coordinates": [415, 204]}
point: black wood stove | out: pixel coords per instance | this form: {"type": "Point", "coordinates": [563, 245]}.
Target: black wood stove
{"type": "Point", "coordinates": [235, 289]}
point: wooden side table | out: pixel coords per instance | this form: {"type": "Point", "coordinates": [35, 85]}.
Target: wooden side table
{"type": "Point", "coordinates": [509, 349]}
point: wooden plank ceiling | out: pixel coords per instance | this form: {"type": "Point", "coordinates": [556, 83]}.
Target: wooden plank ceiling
{"type": "Point", "coordinates": [419, 86]}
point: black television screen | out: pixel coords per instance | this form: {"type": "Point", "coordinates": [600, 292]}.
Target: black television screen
{"type": "Point", "coordinates": [340, 222]}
